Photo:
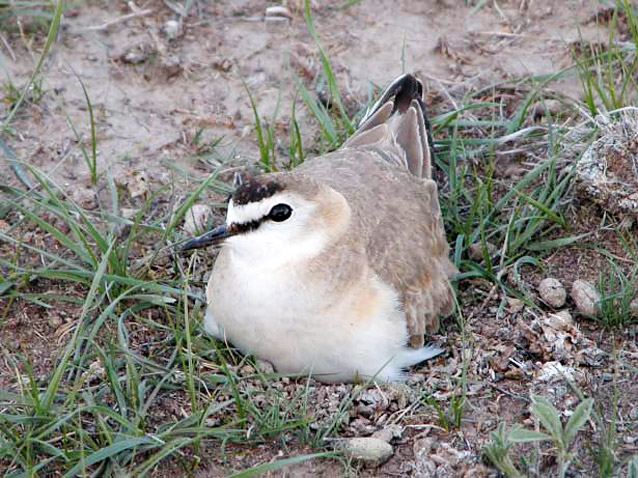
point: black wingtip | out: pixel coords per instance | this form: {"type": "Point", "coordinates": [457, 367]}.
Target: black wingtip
{"type": "Point", "coordinates": [406, 89]}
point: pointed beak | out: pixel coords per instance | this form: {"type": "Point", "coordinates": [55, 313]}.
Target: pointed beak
{"type": "Point", "coordinates": [211, 238]}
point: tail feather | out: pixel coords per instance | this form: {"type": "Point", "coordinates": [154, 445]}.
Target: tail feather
{"type": "Point", "coordinates": [401, 108]}
{"type": "Point", "coordinates": [410, 357]}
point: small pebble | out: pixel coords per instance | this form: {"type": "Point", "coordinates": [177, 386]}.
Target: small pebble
{"type": "Point", "coordinates": [128, 213]}
{"type": "Point", "coordinates": [586, 297]}
{"type": "Point", "coordinates": [552, 292]}
{"type": "Point", "coordinates": [476, 251]}
{"type": "Point", "coordinates": [633, 308]}
{"type": "Point", "coordinates": [368, 451]}
{"type": "Point", "coordinates": [278, 12]}
{"type": "Point", "coordinates": [172, 29]}
{"type": "Point", "coordinates": [515, 305]}
{"type": "Point", "coordinates": [136, 55]}
{"type": "Point", "coordinates": [196, 219]}
{"type": "Point", "coordinates": [389, 433]}
{"type": "Point", "coordinates": [265, 367]}
{"type": "Point", "coordinates": [138, 185]}
{"type": "Point", "coordinates": [560, 320]}
{"type": "Point", "coordinates": [553, 107]}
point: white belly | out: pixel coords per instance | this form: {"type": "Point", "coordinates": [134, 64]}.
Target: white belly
{"type": "Point", "coordinates": [299, 328]}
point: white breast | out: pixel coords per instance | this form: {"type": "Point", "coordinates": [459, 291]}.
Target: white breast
{"type": "Point", "coordinates": [279, 316]}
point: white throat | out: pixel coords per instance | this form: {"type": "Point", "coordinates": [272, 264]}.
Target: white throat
{"type": "Point", "coordinates": [273, 245]}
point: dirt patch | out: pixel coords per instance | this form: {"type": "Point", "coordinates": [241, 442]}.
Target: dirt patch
{"type": "Point", "coordinates": [151, 93]}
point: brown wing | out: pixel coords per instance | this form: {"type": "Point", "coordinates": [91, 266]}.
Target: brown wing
{"type": "Point", "coordinates": [400, 217]}
{"type": "Point", "coordinates": [384, 172]}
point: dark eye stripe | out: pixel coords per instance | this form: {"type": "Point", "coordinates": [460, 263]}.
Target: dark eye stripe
{"type": "Point", "coordinates": [278, 213]}
{"type": "Point", "coordinates": [241, 228]}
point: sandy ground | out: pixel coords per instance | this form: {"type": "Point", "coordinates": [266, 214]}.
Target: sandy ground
{"type": "Point", "coordinates": [151, 94]}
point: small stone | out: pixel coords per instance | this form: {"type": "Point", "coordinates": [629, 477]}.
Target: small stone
{"type": "Point", "coordinates": [172, 29]}
{"type": "Point", "coordinates": [365, 410]}
{"type": "Point", "coordinates": [552, 292]}
{"type": "Point", "coordinates": [476, 251]}
{"type": "Point", "coordinates": [369, 397]}
{"type": "Point", "coordinates": [370, 452]}
{"type": "Point", "coordinates": [633, 308]}
{"type": "Point", "coordinates": [561, 320]}
{"type": "Point", "coordinates": [389, 433]}
{"type": "Point", "coordinates": [586, 297]}
{"type": "Point", "coordinates": [136, 55]}
{"type": "Point", "coordinates": [197, 218]}
{"type": "Point", "coordinates": [361, 427]}
{"type": "Point", "coordinates": [264, 367]}
{"type": "Point", "coordinates": [55, 322]}
{"type": "Point", "coordinates": [138, 185]}
{"type": "Point", "coordinates": [515, 305]}
{"type": "Point", "coordinates": [84, 196]}
{"type": "Point", "coordinates": [553, 107]}
{"type": "Point", "coordinates": [129, 213]}
{"type": "Point", "coordinates": [277, 12]}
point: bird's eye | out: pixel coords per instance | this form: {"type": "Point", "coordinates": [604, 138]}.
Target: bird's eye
{"type": "Point", "coordinates": [280, 212]}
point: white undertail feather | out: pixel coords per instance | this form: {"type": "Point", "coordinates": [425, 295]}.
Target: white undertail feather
{"type": "Point", "coordinates": [410, 357]}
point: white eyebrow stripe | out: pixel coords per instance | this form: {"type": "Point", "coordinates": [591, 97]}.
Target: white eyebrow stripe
{"type": "Point", "coordinates": [254, 211]}
{"type": "Point", "coordinates": [243, 214]}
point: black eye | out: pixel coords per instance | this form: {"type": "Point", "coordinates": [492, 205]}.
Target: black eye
{"type": "Point", "coordinates": [280, 212]}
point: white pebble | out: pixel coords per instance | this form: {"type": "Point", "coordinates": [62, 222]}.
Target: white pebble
{"type": "Point", "coordinates": [172, 29]}
{"type": "Point", "coordinates": [196, 219]}
{"type": "Point", "coordinates": [561, 320]}
{"type": "Point", "coordinates": [586, 297]}
{"type": "Point", "coordinates": [370, 452]}
{"type": "Point", "coordinates": [278, 11]}
{"type": "Point", "coordinates": [552, 292]}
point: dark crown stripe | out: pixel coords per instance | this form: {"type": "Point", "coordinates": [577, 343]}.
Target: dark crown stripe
{"type": "Point", "coordinates": [255, 191]}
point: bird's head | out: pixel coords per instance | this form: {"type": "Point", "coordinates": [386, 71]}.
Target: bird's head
{"type": "Point", "coordinates": [277, 217]}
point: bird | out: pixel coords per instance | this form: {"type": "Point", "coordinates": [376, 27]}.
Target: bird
{"type": "Point", "coordinates": [338, 267]}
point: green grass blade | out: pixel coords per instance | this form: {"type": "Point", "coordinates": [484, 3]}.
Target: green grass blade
{"type": "Point", "coordinates": [111, 450]}
{"type": "Point", "coordinates": [51, 38]}
{"type": "Point", "coordinates": [278, 465]}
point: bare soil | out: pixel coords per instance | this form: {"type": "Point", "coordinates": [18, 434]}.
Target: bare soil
{"type": "Point", "coordinates": [159, 100]}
